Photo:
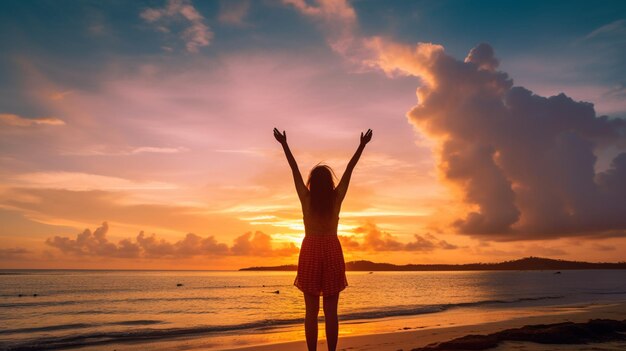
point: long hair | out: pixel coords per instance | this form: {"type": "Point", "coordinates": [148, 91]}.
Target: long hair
{"type": "Point", "coordinates": [321, 186]}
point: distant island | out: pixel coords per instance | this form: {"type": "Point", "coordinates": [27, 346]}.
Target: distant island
{"type": "Point", "coordinates": [524, 264]}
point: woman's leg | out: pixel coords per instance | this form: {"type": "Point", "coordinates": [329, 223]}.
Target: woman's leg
{"type": "Point", "coordinates": [312, 303]}
{"type": "Point", "coordinates": [332, 321]}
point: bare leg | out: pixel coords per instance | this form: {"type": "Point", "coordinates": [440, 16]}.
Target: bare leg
{"type": "Point", "coordinates": [332, 321]}
{"type": "Point", "coordinates": [312, 303]}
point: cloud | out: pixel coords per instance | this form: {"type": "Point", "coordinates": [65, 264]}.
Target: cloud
{"type": "Point", "coordinates": [543, 250]}
{"type": "Point", "coordinates": [260, 244]}
{"type": "Point", "coordinates": [132, 208]}
{"type": "Point", "coordinates": [96, 244]}
{"type": "Point", "coordinates": [526, 162]}
{"type": "Point", "coordinates": [618, 91]}
{"type": "Point", "coordinates": [157, 150]}
{"type": "Point", "coordinates": [396, 59]}
{"type": "Point", "coordinates": [59, 95]}
{"type": "Point", "coordinates": [483, 57]}
{"type": "Point", "coordinates": [19, 121]}
{"type": "Point", "coordinates": [197, 34]}
{"type": "Point", "coordinates": [332, 10]}
{"type": "Point", "coordinates": [233, 12]}
{"type": "Point", "coordinates": [602, 247]}
{"type": "Point", "coordinates": [429, 242]}
{"type": "Point", "coordinates": [191, 245]}
{"type": "Point", "coordinates": [337, 19]}
{"type": "Point", "coordinates": [377, 240]}
{"type": "Point", "coordinates": [374, 239]}
{"type": "Point", "coordinates": [247, 151]}
{"type": "Point", "coordinates": [12, 253]}
{"type": "Point", "coordinates": [84, 181]}
{"type": "Point", "coordinates": [349, 243]}
{"type": "Point", "coordinates": [101, 150]}
{"type": "Point", "coordinates": [614, 28]}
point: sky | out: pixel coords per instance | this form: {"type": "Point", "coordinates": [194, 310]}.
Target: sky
{"type": "Point", "coordinates": [138, 134]}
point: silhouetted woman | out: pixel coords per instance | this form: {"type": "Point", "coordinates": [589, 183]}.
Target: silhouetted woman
{"type": "Point", "coordinates": [321, 268]}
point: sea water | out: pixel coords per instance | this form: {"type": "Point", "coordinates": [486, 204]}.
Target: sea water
{"type": "Point", "coordinates": [66, 308]}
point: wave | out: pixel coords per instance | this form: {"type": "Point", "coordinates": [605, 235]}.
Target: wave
{"type": "Point", "coordinates": [437, 308]}
{"type": "Point", "coordinates": [99, 301]}
{"type": "Point", "coordinates": [60, 292]}
{"type": "Point", "coordinates": [77, 326]}
{"type": "Point", "coordinates": [110, 337]}
{"type": "Point", "coordinates": [609, 293]}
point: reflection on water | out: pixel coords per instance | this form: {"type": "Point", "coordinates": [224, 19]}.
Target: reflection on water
{"type": "Point", "coordinates": [73, 306]}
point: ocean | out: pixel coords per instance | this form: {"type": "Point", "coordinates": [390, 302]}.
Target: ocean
{"type": "Point", "coordinates": [58, 309]}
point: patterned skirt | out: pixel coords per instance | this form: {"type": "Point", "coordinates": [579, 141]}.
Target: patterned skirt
{"type": "Point", "coordinates": [321, 268]}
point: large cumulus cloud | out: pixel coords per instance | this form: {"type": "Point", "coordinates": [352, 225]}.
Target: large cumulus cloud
{"type": "Point", "coordinates": [96, 244]}
{"type": "Point", "coordinates": [527, 163]}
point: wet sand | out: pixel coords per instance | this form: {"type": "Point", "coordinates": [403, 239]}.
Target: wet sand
{"type": "Point", "coordinates": [405, 333]}
{"type": "Point", "coordinates": [418, 333]}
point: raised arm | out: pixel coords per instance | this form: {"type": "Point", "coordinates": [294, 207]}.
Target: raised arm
{"type": "Point", "coordinates": [297, 177]}
{"type": "Point", "coordinates": [342, 187]}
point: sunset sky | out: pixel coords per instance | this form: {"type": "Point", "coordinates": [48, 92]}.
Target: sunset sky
{"type": "Point", "coordinates": [138, 134]}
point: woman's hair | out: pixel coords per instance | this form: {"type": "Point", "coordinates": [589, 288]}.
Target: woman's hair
{"type": "Point", "coordinates": [321, 186]}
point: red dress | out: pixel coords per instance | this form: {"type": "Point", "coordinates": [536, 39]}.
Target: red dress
{"type": "Point", "coordinates": [321, 267]}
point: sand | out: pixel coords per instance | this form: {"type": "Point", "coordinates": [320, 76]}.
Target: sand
{"type": "Point", "coordinates": [403, 333]}
{"type": "Point", "coordinates": [476, 324]}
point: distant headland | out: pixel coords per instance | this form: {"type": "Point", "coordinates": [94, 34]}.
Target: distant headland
{"type": "Point", "coordinates": [524, 264]}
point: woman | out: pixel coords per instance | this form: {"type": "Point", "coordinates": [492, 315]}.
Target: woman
{"type": "Point", "coordinates": [321, 268]}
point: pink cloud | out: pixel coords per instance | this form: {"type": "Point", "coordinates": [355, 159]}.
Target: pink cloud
{"type": "Point", "coordinates": [19, 121]}
{"type": "Point", "coordinates": [234, 12]}
{"type": "Point", "coordinates": [337, 19]}
{"type": "Point", "coordinates": [197, 34]}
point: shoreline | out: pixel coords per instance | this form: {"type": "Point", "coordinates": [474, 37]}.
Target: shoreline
{"type": "Point", "coordinates": [414, 338]}
{"type": "Point", "coordinates": [236, 311]}
{"type": "Point", "coordinates": [392, 333]}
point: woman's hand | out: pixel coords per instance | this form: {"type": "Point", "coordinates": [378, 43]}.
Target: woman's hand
{"type": "Point", "coordinates": [366, 138]}
{"type": "Point", "coordinates": [282, 138]}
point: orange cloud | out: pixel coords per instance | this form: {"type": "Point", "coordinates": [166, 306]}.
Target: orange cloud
{"type": "Point", "coordinates": [524, 161]}
{"type": "Point", "coordinates": [79, 208]}
{"type": "Point", "coordinates": [59, 95]}
{"type": "Point", "coordinates": [260, 244]}
{"type": "Point", "coordinates": [191, 245]}
{"type": "Point", "coordinates": [19, 121]}
{"type": "Point", "coordinates": [96, 244]}
{"type": "Point", "coordinates": [395, 58]}
{"type": "Point", "coordinates": [374, 239]}
{"type": "Point", "coordinates": [349, 243]}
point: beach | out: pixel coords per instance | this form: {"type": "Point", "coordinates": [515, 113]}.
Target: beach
{"type": "Point", "coordinates": [262, 311]}
{"type": "Point", "coordinates": [190, 174]}
{"type": "Point", "coordinates": [427, 330]}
